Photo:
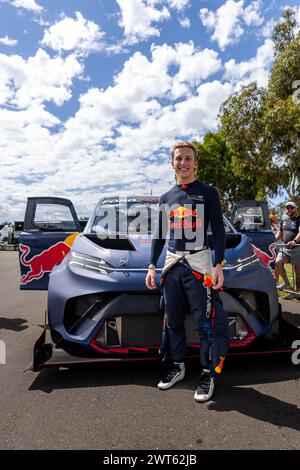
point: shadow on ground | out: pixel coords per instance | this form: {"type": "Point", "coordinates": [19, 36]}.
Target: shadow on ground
{"type": "Point", "coordinates": [234, 389]}
{"type": "Point", "coordinates": [237, 371]}
{"type": "Point", "coordinates": [250, 402]}
{"type": "Point", "coordinates": [14, 324]}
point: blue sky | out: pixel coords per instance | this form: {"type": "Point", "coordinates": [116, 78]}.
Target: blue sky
{"type": "Point", "coordinates": [93, 93]}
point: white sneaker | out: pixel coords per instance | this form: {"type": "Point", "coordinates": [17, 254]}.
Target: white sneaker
{"type": "Point", "coordinates": [205, 388]}
{"type": "Point", "coordinates": [175, 374]}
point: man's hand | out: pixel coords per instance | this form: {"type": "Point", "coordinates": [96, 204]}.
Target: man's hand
{"type": "Point", "coordinates": [218, 277]}
{"type": "Point", "coordinates": [292, 243]}
{"type": "Point", "coordinates": [150, 279]}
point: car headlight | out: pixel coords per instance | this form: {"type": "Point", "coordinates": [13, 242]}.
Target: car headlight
{"type": "Point", "coordinates": [96, 265]}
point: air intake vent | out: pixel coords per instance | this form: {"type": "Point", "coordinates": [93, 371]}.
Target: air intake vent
{"type": "Point", "coordinates": [111, 243]}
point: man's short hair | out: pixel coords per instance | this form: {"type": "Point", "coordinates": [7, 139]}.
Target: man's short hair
{"type": "Point", "coordinates": [182, 144]}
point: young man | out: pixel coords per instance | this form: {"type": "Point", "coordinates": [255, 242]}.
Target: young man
{"type": "Point", "coordinates": [289, 233]}
{"type": "Point", "coordinates": [189, 281]}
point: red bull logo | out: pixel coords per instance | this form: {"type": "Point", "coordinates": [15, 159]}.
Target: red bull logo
{"type": "Point", "coordinates": [183, 214]}
{"type": "Point", "coordinates": [264, 257]}
{"type": "Point", "coordinates": [45, 261]}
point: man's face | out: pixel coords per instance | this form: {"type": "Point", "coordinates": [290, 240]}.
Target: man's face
{"type": "Point", "coordinates": [184, 163]}
{"type": "Point", "coordinates": [291, 211]}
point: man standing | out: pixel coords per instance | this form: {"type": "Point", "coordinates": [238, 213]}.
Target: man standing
{"type": "Point", "coordinates": [289, 233]}
{"type": "Point", "coordinates": [189, 281]}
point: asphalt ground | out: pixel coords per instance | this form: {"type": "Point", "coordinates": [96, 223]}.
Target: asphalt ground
{"type": "Point", "coordinates": [118, 406]}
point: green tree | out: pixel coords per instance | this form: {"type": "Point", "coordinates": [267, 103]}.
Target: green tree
{"type": "Point", "coordinates": [282, 111]}
{"type": "Point", "coordinates": [286, 70]}
{"type": "Point", "coordinates": [218, 165]}
{"type": "Point", "coordinates": [284, 31]}
{"type": "Point", "coordinates": [256, 152]}
{"type": "Point", "coordinates": [242, 118]}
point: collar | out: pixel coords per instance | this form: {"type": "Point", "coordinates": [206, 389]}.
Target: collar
{"type": "Point", "coordinates": [186, 186]}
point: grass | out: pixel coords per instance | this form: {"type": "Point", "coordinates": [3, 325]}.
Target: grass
{"type": "Point", "coordinates": [288, 268]}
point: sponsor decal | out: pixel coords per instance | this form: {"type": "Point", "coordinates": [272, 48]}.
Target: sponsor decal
{"type": "Point", "coordinates": [186, 224]}
{"type": "Point", "coordinates": [242, 263]}
{"type": "Point", "coordinates": [195, 196]}
{"type": "Point", "coordinates": [181, 212]}
{"type": "Point", "coordinates": [265, 258]}
{"type": "Point", "coordinates": [45, 261]}
{"type": "Point", "coordinates": [208, 282]}
{"type": "Point", "coordinates": [123, 261]}
{"type": "Point", "coordinates": [184, 217]}
{"type": "Point", "coordinates": [257, 256]}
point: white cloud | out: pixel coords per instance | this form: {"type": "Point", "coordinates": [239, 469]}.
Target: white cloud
{"type": "Point", "coordinates": [26, 4]}
{"type": "Point", "coordinates": [178, 5]}
{"type": "Point", "coordinates": [142, 83]}
{"type": "Point", "coordinates": [194, 65]}
{"type": "Point", "coordinates": [268, 27]}
{"type": "Point", "coordinates": [6, 41]}
{"type": "Point", "coordinates": [252, 14]}
{"type": "Point", "coordinates": [70, 34]}
{"type": "Point", "coordinates": [39, 78]}
{"type": "Point", "coordinates": [256, 69]}
{"type": "Point", "coordinates": [137, 18]}
{"type": "Point", "coordinates": [128, 126]}
{"type": "Point", "coordinates": [297, 16]}
{"type": "Point", "coordinates": [25, 136]}
{"type": "Point", "coordinates": [226, 22]}
{"type": "Point", "coordinates": [129, 114]}
{"type": "Point", "coordinates": [185, 23]}
{"type": "Point", "coordinates": [189, 119]}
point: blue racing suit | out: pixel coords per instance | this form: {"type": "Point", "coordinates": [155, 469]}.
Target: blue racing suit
{"type": "Point", "coordinates": [185, 290]}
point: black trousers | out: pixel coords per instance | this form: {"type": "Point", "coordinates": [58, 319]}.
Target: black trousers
{"type": "Point", "coordinates": [185, 290]}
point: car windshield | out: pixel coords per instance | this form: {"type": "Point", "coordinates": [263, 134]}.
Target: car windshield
{"type": "Point", "coordinates": [136, 215]}
{"type": "Point", "coordinates": [131, 215]}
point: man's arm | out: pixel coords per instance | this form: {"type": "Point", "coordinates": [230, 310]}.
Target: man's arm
{"type": "Point", "coordinates": [296, 240]}
{"type": "Point", "coordinates": [279, 234]}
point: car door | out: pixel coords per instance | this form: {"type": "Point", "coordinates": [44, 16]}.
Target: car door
{"type": "Point", "coordinates": [50, 227]}
{"type": "Point", "coordinates": [253, 218]}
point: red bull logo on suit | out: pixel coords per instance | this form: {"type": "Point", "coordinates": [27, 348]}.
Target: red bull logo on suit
{"type": "Point", "coordinates": [183, 214]}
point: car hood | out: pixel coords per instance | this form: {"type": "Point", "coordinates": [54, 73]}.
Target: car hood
{"type": "Point", "coordinates": [133, 252]}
